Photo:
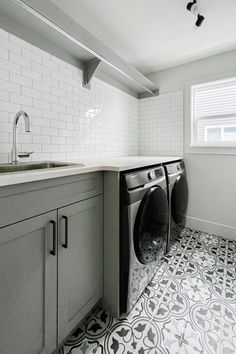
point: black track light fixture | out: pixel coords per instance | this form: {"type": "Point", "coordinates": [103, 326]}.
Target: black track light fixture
{"type": "Point", "coordinates": [192, 6]}
{"type": "Point", "coordinates": [200, 20]}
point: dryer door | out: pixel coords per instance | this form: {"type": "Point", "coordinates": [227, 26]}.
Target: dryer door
{"type": "Point", "coordinates": [179, 200]}
{"type": "Point", "coordinates": [151, 226]}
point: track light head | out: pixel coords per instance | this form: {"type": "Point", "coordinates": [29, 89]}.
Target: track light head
{"type": "Point", "coordinates": [192, 6]}
{"type": "Point", "coordinates": [200, 20]}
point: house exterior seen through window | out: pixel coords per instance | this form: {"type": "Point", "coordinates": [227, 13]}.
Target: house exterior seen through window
{"type": "Point", "coordinates": [213, 113]}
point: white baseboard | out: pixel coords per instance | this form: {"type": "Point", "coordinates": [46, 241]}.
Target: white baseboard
{"type": "Point", "coordinates": [211, 227]}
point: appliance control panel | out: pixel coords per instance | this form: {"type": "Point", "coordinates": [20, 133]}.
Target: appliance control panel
{"type": "Point", "coordinates": [155, 174]}
{"type": "Point", "coordinates": [140, 178]}
{"type": "Point", "coordinates": [176, 167]}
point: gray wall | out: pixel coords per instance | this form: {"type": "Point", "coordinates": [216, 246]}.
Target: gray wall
{"type": "Point", "coordinates": [212, 177]}
{"type": "Point", "coordinates": [175, 78]}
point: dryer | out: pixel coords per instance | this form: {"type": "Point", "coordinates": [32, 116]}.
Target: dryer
{"type": "Point", "coordinates": [178, 199]}
{"type": "Point", "coordinates": [144, 218]}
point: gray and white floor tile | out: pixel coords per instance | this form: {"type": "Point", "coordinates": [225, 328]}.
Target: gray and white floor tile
{"type": "Point", "coordinates": [189, 307]}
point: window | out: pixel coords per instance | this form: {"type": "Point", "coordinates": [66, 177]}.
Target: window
{"type": "Point", "coordinates": [213, 113]}
{"type": "Point", "coordinates": [220, 133]}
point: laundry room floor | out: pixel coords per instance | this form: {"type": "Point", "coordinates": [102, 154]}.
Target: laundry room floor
{"type": "Point", "coordinates": [189, 307]}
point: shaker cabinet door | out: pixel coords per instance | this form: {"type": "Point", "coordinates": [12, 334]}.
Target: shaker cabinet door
{"type": "Point", "coordinates": [80, 262]}
{"type": "Point", "coordinates": [28, 292]}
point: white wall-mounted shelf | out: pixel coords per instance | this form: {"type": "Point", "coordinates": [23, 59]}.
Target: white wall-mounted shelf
{"type": "Point", "coordinates": [47, 26]}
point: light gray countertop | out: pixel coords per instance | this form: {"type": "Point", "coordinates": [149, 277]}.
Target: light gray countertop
{"type": "Point", "coordinates": [116, 164]}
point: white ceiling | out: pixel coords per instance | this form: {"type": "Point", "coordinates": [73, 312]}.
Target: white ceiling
{"type": "Point", "coordinates": [156, 34]}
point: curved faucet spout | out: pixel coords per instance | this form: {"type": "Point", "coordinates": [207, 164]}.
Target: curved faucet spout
{"type": "Point", "coordinates": [26, 119]}
{"type": "Point", "coordinates": [27, 129]}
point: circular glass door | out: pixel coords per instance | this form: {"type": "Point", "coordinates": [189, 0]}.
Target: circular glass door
{"type": "Point", "coordinates": [179, 200]}
{"type": "Point", "coordinates": [151, 226]}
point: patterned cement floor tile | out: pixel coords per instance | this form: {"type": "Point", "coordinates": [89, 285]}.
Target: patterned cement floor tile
{"type": "Point", "coordinates": [129, 334]}
{"type": "Point", "coordinates": [152, 340]}
{"type": "Point", "coordinates": [86, 346]}
{"type": "Point", "coordinates": [189, 307]}
{"type": "Point", "coordinates": [179, 337]}
{"type": "Point", "coordinates": [195, 289]}
{"type": "Point", "coordinates": [95, 326]}
{"type": "Point", "coordinates": [215, 322]}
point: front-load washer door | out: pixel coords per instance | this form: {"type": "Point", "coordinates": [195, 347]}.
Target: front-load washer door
{"type": "Point", "coordinates": [179, 200]}
{"type": "Point", "coordinates": [151, 226]}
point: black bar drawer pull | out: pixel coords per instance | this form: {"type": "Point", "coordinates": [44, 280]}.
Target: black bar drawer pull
{"type": "Point", "coordinates": [65, 245]}
{"type": "Point", "coordinates": [54, 250]}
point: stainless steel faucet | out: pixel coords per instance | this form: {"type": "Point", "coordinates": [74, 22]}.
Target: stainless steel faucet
{"type": "Point", "coordinates": [27, 129]}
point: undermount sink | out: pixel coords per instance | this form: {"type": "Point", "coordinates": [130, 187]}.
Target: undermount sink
{"type": "Point", "coordinates": [7, 168]}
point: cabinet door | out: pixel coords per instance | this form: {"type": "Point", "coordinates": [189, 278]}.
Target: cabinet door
{"type": "Point", "coordinates": [28, 288]}
{"type": "Point", "coordinates": [80, 262]}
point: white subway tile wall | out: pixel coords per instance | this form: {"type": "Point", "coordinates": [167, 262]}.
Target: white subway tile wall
{"type": "Point", "coordinates": [161, 125]}
{"type": "Point", "coordinates": [68, 121]}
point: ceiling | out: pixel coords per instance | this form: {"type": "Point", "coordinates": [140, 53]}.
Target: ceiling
{"type": "Point", "coordinates": [153, 35]}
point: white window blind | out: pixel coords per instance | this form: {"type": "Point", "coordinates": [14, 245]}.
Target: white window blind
{"type": "Point", "coordinates": [214, 113]}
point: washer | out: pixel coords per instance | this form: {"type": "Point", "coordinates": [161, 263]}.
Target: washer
{"type": "Point", "coordinates": [178, 199]}
{"type": "Point", "coordinates": [144, 218]}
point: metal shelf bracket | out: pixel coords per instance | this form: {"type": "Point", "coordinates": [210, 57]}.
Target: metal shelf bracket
{"type": "Point", "coordinates": [89, 70]}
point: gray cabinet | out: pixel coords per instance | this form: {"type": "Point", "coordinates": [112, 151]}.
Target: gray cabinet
{"type": "Point", "coordinates": [46, 288]}
{"type": "Point", "coordinates": [80, 262]}
{"type": "Point", "coordinates": [28, 286]}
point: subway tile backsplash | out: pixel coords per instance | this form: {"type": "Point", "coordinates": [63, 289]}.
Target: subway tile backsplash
{"type": "Point", "coordinates": [161, 125]}
{"type": "Point", "coordinates": [68, 121]}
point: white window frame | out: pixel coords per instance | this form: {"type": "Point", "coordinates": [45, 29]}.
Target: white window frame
{"type": "Point", "coordinates": [221, 149]}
